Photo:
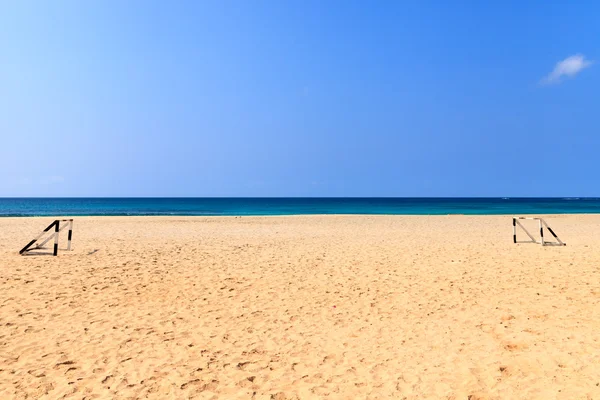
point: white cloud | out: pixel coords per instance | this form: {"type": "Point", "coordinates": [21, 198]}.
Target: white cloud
{"type": "Point", "coordinates": [568, 67]}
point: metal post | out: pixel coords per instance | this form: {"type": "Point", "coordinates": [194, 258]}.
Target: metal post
{"type": "Point", "coordinates": [541, 231]}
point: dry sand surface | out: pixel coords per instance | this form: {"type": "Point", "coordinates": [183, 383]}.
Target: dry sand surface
{"type": "Point", "coordinates": [340, 307]}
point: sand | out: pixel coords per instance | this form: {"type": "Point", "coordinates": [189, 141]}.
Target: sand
{"type": "Point", "coordinates": [308, 307]}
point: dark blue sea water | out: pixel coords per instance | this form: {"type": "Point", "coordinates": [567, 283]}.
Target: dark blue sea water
{"type": "Point", "coordinates": [289, 206]}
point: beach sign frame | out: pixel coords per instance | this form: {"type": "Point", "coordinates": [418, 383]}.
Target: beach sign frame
{"type": "Point", "coordinates": [47, 235]}
{"type": "Point", "coordinates": [542, 224]}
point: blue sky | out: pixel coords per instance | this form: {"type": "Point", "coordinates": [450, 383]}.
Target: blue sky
{"type": "Point", "coordinates": [299, 98]}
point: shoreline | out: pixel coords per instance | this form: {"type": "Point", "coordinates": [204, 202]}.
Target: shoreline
{"type": "Point", "coordinates": [291, 215]}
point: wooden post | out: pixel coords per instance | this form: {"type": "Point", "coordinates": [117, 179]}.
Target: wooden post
{"type": "Point", "coordinates": [39, 243]}
{"type": "Point", "coordinates": [56, 232]}
{"type": "Point", "coordinates": [70, 235]}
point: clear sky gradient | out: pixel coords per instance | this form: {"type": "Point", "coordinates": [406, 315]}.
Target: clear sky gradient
{"type": "Point", "coordinates": [299, 98]}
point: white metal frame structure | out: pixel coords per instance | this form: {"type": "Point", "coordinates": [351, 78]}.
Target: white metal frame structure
{"type": "Point", "coordinates": [542, 223]}
{"type": "Point", "coordinates": [57, 228]}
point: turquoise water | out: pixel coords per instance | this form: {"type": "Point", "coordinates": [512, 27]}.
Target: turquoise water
{"type": "Point", "coordinates": [291, 206]}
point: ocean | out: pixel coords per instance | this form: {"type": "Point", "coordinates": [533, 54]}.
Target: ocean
{"type": "Point", "coordinates": [29, 207]}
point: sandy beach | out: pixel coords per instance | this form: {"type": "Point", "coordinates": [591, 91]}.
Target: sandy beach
{"type": "Point", "coordinates": [301, 307]}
